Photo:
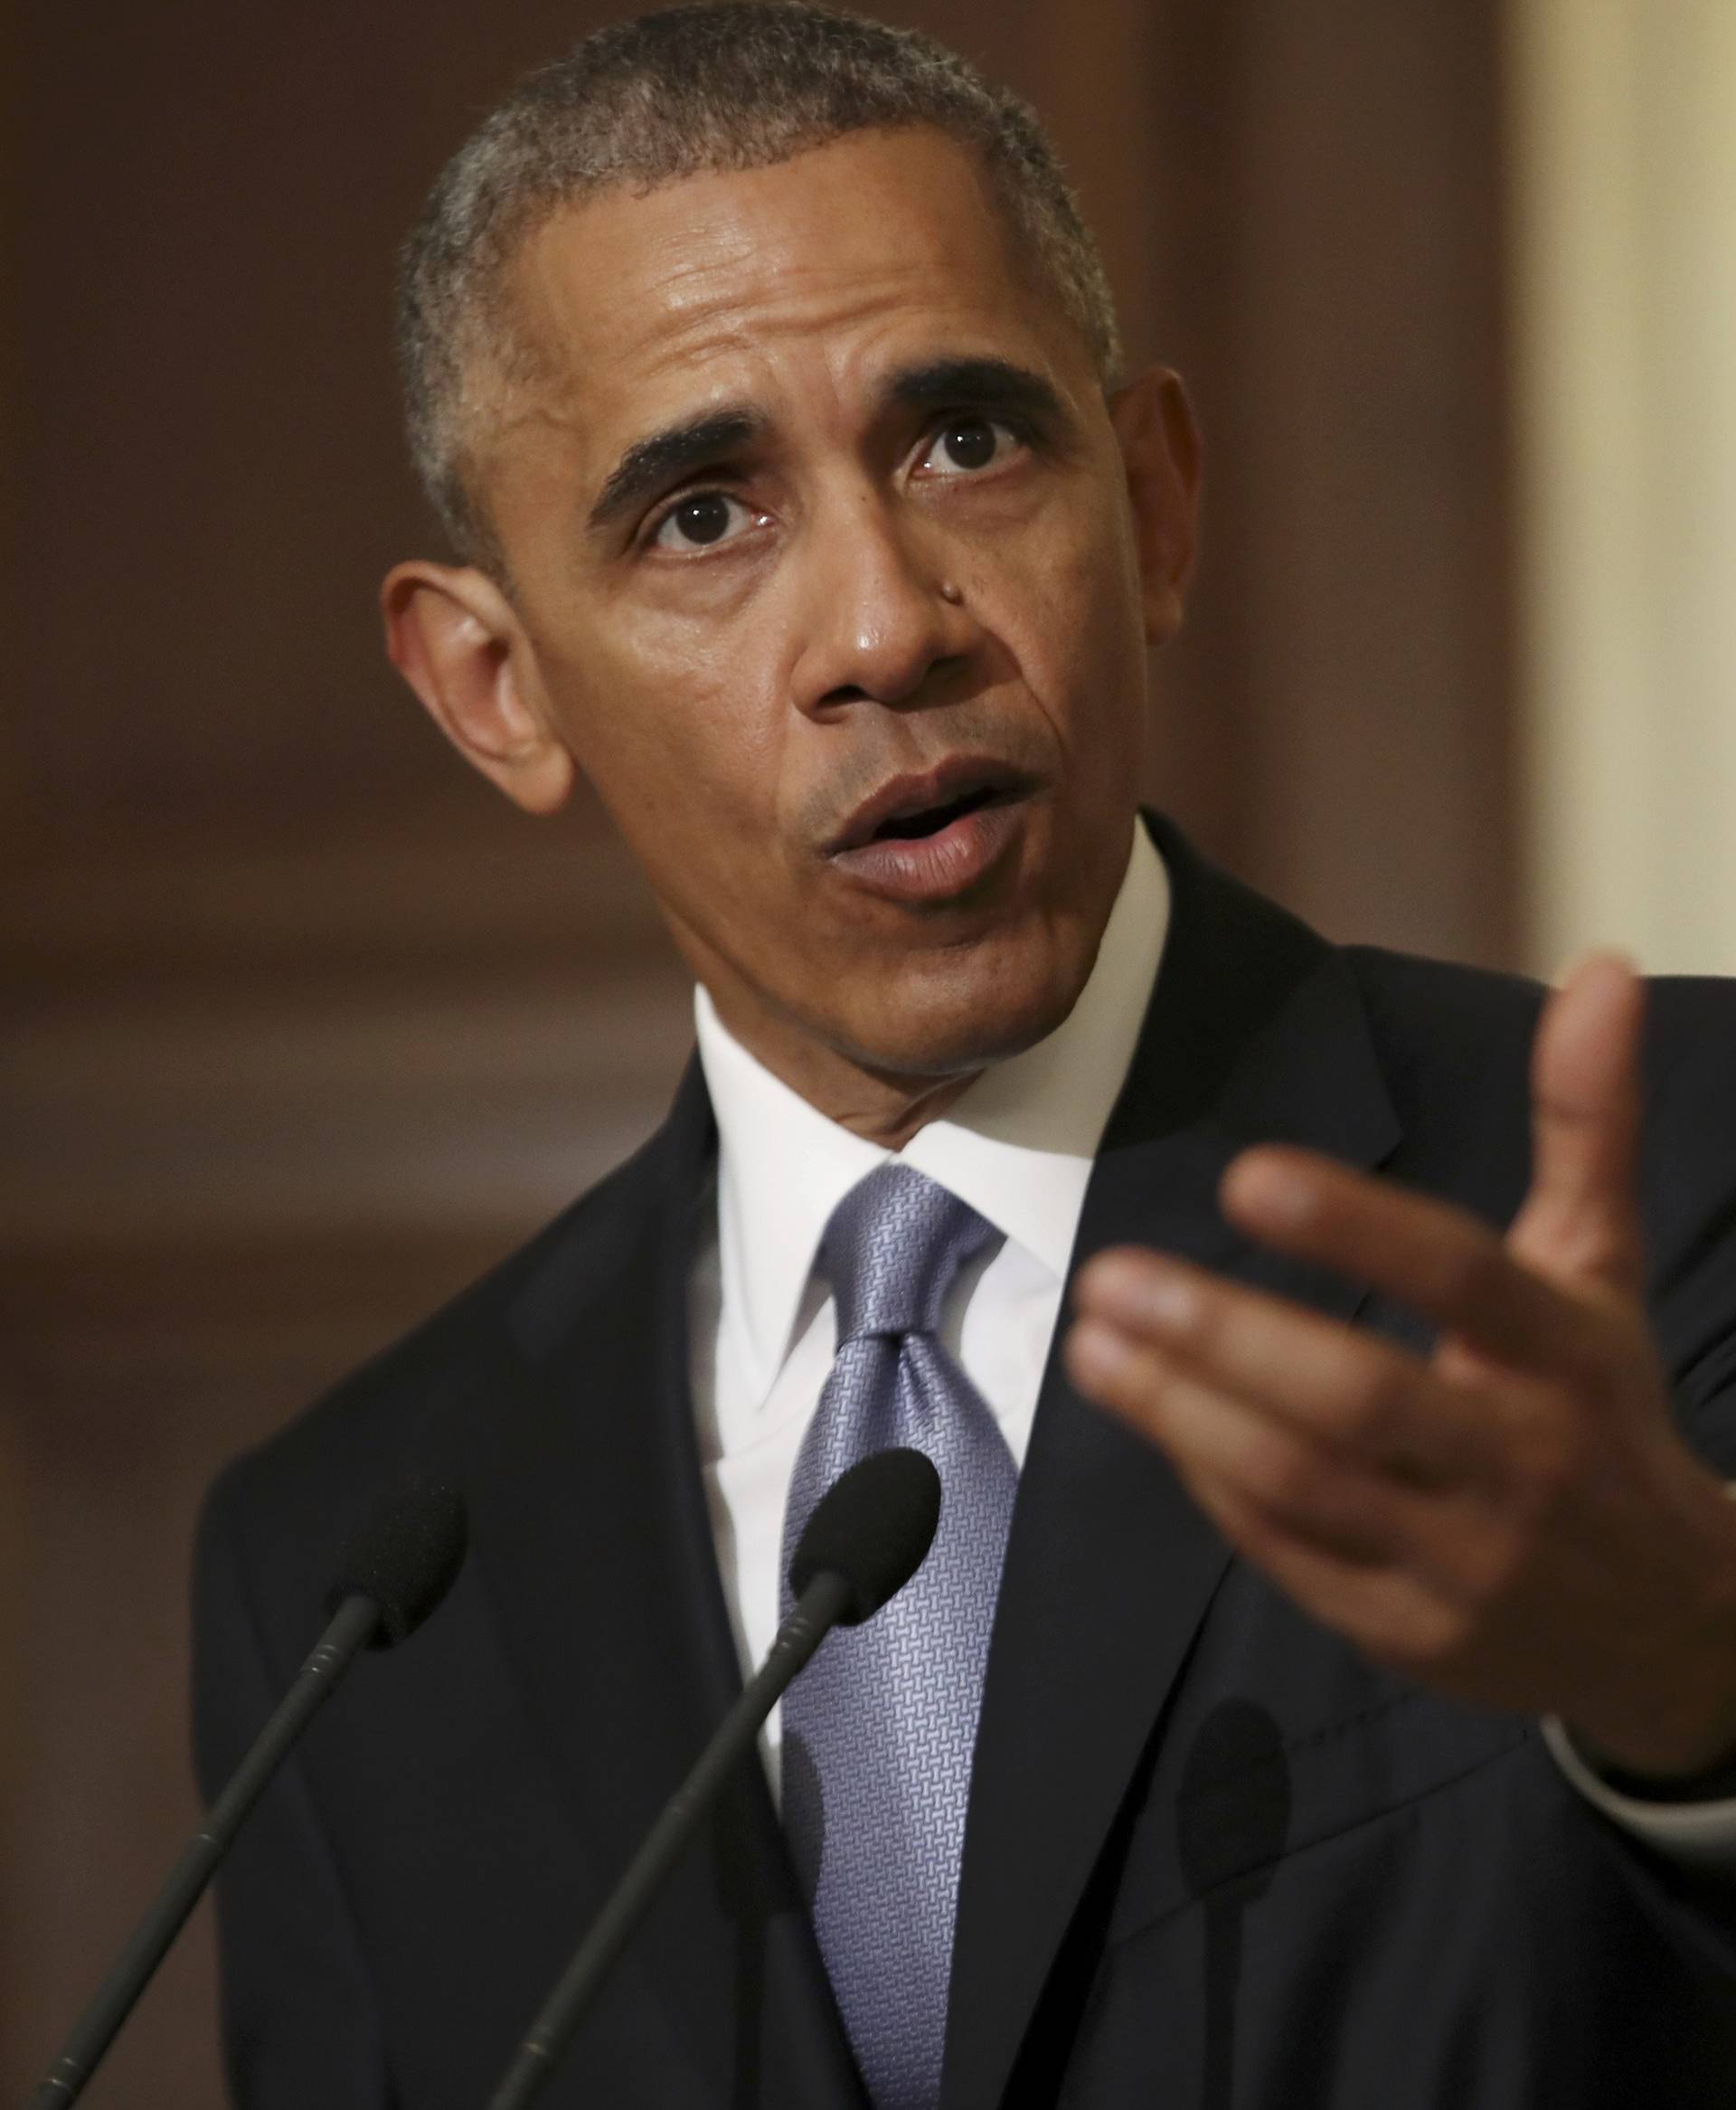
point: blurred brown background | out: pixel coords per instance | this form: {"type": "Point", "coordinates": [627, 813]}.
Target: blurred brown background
{"type": "Point", "coordinates": [302, 1028]}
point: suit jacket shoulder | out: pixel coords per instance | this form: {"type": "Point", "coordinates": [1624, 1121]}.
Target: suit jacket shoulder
{"type": "Point", "coordinates": [410, 1404]}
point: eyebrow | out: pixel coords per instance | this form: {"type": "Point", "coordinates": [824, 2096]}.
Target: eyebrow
{"type": "Point", "coordinates": [980, 384]}
{"type": "Point", "coordinates": [662, 458]}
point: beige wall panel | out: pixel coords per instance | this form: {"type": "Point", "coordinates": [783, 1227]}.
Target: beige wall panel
{"type": "Point", "coordinates": [1624, 184]}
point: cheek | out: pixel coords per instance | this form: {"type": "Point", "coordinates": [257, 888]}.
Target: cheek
{"type": "Point", "coordinates": [693, 724]}
{"type": "Point", "coordinates": [655, 725]}
{"type": "Point", "coordinates": [1068, 609]}
{"type": "Point", "coordinates": [685, 762]}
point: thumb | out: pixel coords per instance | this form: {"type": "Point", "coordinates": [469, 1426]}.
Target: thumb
{"type": "Point", "coordinates": [1581, 1219]}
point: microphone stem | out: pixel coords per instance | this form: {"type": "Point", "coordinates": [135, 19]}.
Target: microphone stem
{"type": "Point", "coordinates": [815, 1615]}
{"type": "Point", "coordinates": [354, 1624]}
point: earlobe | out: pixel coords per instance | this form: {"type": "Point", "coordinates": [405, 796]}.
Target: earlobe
{"type": "Point", "coordinates": [454, 637]}
{"type": "Point", "coordinates": [1164, 460]}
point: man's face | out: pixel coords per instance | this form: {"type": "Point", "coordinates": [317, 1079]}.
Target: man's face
{"type": "Point", "coordinates": [826, 576]}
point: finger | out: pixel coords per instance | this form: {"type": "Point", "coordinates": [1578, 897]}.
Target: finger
{"type": "Point", "coordinates": [1318, 1376]}
{"type": "Point", "coordinates": [1441, 1261]}
{"type": "Point", "coordinates": [1303, 1486]}
{"type": "Point", "coordinates": [1581, 1219]}
{"type": "Point", "coordinates": [1391, 1612]}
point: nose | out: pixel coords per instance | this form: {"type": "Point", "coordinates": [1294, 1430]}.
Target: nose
{"type": "Point", "coordinates": [879, 619]}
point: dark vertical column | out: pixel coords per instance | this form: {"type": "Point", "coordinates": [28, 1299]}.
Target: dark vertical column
{"type": "Point", "coordinates": [1305, 217]}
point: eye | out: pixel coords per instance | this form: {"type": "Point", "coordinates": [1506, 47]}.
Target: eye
{"type": "Point", "coordinates": [963, 445]}
{"type": "Point", "coordinates": [701, 520]}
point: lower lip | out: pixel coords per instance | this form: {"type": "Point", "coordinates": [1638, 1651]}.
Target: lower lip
{"type": "Point", "coordinates": [933, 868]}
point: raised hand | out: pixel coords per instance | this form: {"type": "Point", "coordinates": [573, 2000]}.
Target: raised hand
{"type": "Point", "coordinates": [1514, 1519]}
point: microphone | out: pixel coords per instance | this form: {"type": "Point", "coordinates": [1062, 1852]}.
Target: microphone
{"type": "Point", "coordinates": [395, 1571]}
{"type": "Point", "coordinates": [867, 1536]}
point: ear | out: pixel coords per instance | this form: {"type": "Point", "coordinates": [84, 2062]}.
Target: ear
{"type": "Point", "coordinates": [1165, 462]}
{"type": "Point", "coordinates": [455, 638]}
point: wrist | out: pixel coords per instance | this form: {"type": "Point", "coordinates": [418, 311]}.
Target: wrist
{"type": "Point", "coordinates": [1676, 1729]}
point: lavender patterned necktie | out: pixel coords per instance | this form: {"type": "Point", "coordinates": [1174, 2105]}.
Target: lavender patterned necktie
{"type": "Point", "coordinates": [878, 1732]}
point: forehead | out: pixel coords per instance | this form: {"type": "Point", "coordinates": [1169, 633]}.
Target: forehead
{"type": "Point", "coordinates": [822, 271]}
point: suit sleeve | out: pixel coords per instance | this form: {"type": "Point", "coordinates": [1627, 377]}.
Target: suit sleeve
{"type": "Point", "coordinates": [300, 2025]}
{"type": "Point", "coordinates": [1697, 1834]}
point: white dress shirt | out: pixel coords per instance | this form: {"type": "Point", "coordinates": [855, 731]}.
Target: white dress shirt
{"type": "Point", "coordinates": [1018, 1146]}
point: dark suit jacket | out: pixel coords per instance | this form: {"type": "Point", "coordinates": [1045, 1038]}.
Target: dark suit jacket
{"type": "Point", "coordinates": [1213, 1856]}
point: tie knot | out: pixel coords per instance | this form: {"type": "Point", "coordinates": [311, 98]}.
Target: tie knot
{"type": "Point", "coordinates": [892, 1249]}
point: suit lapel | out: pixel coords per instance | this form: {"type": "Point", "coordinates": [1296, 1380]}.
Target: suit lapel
{"type": "Point", "coordinates": [1256, 1031]}
{"type": "Point", "coordinates": [593, 1538]}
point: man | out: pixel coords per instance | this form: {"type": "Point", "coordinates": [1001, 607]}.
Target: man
{"type": "Point", "coordinates": [1343, 1717]}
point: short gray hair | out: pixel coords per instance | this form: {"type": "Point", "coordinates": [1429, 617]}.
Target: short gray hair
{"type": "Point", "coordinates": [693, 89]}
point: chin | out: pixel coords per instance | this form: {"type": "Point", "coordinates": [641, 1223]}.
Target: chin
{"type": "Point", "coordinates": [952, 1023]}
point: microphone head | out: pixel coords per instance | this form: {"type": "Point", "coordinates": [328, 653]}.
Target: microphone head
{"type": "Point", "coordinates": [406, 1557]}
{"type": "Point", "coordinates": [873, 1526]}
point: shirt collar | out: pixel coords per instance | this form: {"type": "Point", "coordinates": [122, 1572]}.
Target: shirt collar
{"type": "Point", "coordinates": [1017, 1145]}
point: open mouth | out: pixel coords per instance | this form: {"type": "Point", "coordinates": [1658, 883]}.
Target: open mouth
{"type": "Point", "coordinates": [931, 837]}
{"type": "Point", "coordinates": [931, 820]}
{"type": "Point", "coordinates": [912, 809]}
